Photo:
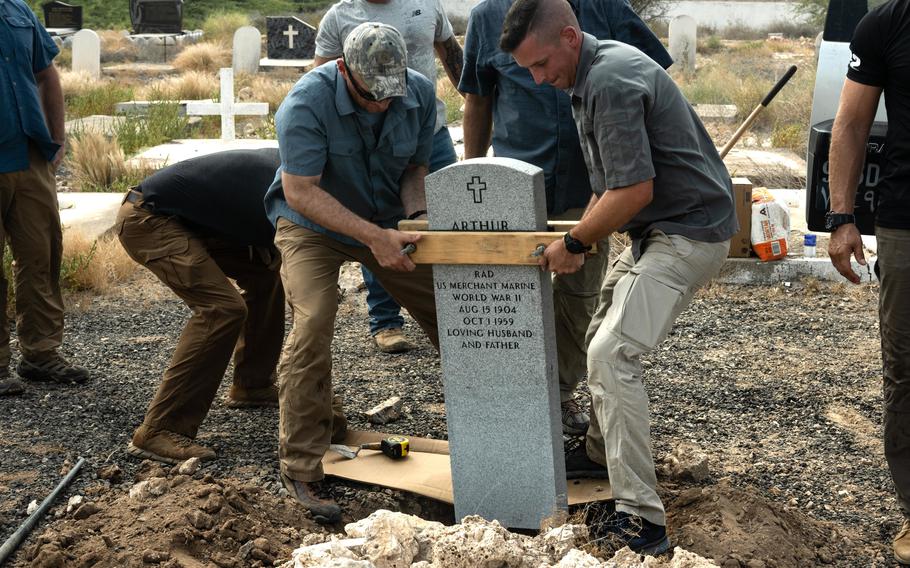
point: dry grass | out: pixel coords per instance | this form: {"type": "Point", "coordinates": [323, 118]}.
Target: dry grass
{"type": "Point", "coordinates": [96, 266]}
{"type": "Point", "coordinates": [190, 85]}
{"type": "Point", "coordinates": [742, 73]}
{"type": "Point", "coordinates": [220, 26]}
{"type": "Point", "coordinates": [77, 83]}
{"type": "Point", "coordinates": [264, 89]}
{"type": "Point", "coordinates": [205, 57]}
{"type": "Point", "coordinates": [99, 164]}
{"type": "Point", "coordinates": [452, 98]}
{"type": "Point", "coordinates": [116, 48]}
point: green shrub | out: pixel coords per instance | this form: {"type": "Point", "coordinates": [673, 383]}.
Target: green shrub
{"type": "Point", "coordinates": [101, 98]}
{"type": "Point", "coordinates": [162, 124]}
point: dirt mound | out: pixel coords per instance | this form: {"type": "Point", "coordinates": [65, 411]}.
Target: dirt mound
{"type": "Point", "coordinates": [173, 518]}
{"type": "Point", "coordinates": [740, 528]}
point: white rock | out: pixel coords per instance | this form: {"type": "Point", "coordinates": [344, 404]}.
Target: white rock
{"type": "Point", "coordinates": [189, 467]}
{"type": "Point", "coordinates": [32, 507]}
{"type": "Point", "coordinates": [477, 543]}
{"type": "Point", "coordinates": [74, 502]}
{"type": "Point", "coordinates": [578, 559]}
{"type": "Point", "coordinates": [557, 542]}
{"type": "Point", "coordinates": [149, 488]}
{"type": "Point", "coordinates": [393, 540]}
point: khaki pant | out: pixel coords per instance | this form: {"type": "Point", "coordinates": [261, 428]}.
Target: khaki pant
{"type": "Point", "coordinates": [574, 303]}
{"type": "Point", "coordinates": [638, 304]}
{"type": "Point", "coordinates": [893, 268]}
{"type": "Point", "coordinates": [249, 323]}
{"type": "Point", "coordinates": [310, 266]}
{"type": "Point", "coordinates": [30, 222]}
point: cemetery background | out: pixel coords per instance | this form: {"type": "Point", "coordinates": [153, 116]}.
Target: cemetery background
{"type": "Point", "coordinates": [795, 472]}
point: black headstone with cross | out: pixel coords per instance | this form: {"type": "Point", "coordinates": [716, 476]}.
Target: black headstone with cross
{"type": "Point", "coordinates": [290, 38]}
{"type": "Point", "coordinates": [60, 15]}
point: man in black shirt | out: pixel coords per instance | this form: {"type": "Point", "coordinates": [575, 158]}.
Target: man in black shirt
{"type": "Point", "coordinates": [881, 63]}
{"type": "Point", "coordinates": [195, 225]}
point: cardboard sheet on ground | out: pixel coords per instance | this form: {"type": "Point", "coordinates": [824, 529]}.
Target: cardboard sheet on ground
{"type": "Point", "coordinates": [426, 471]}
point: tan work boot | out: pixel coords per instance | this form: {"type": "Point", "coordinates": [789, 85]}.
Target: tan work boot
{"type": "Point", "coordinates": [902, 544]}
{"type": "Point", "coordinates": [392, 340]}
{"type": "Point", "coordinates": [166, 446]}
{"type": "Point", "coordinates": [324, 511]}
{"type": "Point", "coordinates": [239, 397]}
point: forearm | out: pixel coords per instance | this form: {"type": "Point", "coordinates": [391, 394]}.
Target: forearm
{"type": "Point", "coordinates": [413, 190]}
{"type": "Point", "coordinates": [611, 211]}
{"type": "Point", "coordinates": [478, 125]}
{"type": "Point", "coordinates": [316, 204]}
{"type": "Point", "coordinates": [855, 114]}
{"type": "Point", "coordinates": [848, 142]}
{"type": "Point", "coordinates": [452, 58]}
{"type": "Point", "coordinates": [51, 94]}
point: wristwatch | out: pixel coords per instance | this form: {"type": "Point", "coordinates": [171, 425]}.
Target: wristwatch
{"type": "Point", "coordinates": [573, 245]}
{"type": "Point", "coordinates": [834, 220]}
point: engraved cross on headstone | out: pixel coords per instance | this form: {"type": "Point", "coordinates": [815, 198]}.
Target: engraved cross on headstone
{"type": "Point", "coordinates": [291, 32]}
{"type": "Point", "coordinates": [497, 339]}
{"type": "Point", "coordinates": [477, 187]}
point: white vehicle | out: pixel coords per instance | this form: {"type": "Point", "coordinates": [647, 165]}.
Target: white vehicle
{"type": "Point", "coordinates": [833, 58]}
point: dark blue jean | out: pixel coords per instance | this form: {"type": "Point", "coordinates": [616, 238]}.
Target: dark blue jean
{"type": "Point", "coordinates": [385, 313]}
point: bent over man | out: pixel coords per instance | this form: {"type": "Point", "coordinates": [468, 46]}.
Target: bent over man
{"type": "Point", "coordinates": [194, 225]}
{"type": "Point", "coordinates": [355, 136]}
{"type": "Point", "coordinates": [31, 148]}
{"type": "Point", "coordinates": [657, 175]}
{"type": "Point", "coordinates": [424, 26]}
{"type": "Point", "coordinates": [881, 64]}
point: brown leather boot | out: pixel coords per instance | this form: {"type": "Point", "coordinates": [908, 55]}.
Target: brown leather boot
{"type": "Point", "coordinates": [392, 340]}
{"type": "Point", "coordinates": [324, 511]}
{"type": "Point", "coordinates": [239, 397]}
{"type": "Point", "coordinates": [902, 544]}
{"type": "Point", "coordinates": [166, 446]}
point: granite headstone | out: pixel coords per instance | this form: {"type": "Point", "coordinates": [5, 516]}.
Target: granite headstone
{"type": "Point", "coordinates": [290, 38]}
{"type": "Point", "coordinates": [683, 36]}
{"type": "Point", "coordinates": [497, 340]}
{"type": "Point", "coordinates": [87, 53]}
{"type": "Point", "coordinates": [59, 15]}
{"type": "Point", "coordinates": [247, 50]}
{"type": "Point", "coordinates": [156, 16]}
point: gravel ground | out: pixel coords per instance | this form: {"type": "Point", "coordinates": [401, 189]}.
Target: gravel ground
{"type": "Point", "coordinates": [780, 387]}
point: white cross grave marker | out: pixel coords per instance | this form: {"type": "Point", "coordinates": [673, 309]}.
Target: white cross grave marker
{"type": "Point", "coordinates": [290, 33]}
{"type": "Point", "coordinates": [227, 108]}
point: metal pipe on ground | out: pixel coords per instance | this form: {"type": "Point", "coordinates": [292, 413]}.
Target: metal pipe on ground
{"type": "Point", "coordinates": [13, 542]}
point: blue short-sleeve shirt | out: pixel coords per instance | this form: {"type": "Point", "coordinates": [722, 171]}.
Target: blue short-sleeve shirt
{"type": "Point", "coordinates": [321, 133]}
{"type": "Point", "coordinates": [534, 122]}
{"type": "Point", "coordinates": [25, 49]}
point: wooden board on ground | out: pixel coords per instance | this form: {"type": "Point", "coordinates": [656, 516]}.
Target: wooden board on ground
{"type": "Point", "coordinates": [426, 470]}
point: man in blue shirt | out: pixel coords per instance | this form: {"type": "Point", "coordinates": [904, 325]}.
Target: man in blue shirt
{"type": "Point", "coordinates": [31, 148]}
{"type": "Point", "coordinates": [534, 123]}
{"type": "Point", "coordinates": [355, 137]}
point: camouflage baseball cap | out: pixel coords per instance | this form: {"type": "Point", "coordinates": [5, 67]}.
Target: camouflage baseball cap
{"type": "Point", "coordinates": [379, 56]}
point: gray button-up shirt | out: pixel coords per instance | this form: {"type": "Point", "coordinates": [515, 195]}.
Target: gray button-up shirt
{"type": "Point", "coordinates": [634, 125]}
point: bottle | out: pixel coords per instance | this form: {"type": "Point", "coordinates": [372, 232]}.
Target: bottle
{"type": "Point", "coordinates": [809, 246]}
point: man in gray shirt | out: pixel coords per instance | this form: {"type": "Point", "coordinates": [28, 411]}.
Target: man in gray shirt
{"type": "Point", "coordinates": [657, 176]}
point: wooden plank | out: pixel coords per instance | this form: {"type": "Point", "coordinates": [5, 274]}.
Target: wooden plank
{"type": "Point", "coordinates": [461, 247]}
{"type": "Point", "coordinates": [423, 225]}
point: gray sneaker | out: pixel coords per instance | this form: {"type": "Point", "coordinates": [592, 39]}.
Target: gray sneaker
{"type": "Point", "coordinates": [575, 419]}
{"type": "Point", "coordinates": [9, 386]}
